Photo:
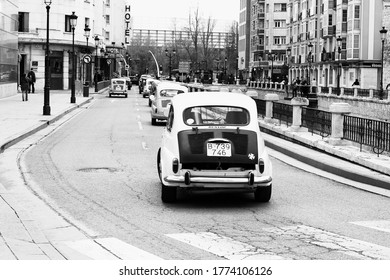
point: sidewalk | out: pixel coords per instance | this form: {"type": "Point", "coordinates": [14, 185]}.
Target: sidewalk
{"type": "Point", "coordinates": [30, 229]}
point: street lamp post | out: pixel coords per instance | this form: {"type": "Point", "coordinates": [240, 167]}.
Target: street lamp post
{"type": "Point", "coordinates": [170, 54]}
{"type": "Point", "coordinates": [96, 63]}
{"type": "Point", "coordinates": [272, 57]}
{"type": "Point", "coordinates": [114, 51]}
{"type": "Point", "coordinates": [383, 32]}
{"type": "Point", "coordinates": [73, 23]}
{"type": "Point", "coordinates": [309, 60]}
{"type": "Point", "coordinates": [87, 32]}
{"type": "Point", "coordinates": [288, 71]}
{"type": "Point", "coordinates": [46, 98]}
{"type": "Point", "coordinates": [339, 41]}
{"type": "Point", "coordinates": [225, 70]}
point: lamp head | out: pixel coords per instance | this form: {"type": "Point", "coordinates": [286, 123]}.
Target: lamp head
{"type": "Point", "coordinates": [87, 31]}
{"type": "Point", "coordinates": [96, 40]}
{"type": "Point", "coordinates": [383, 32]}
{"type": "Point", "coordinates": [47, 2]}
{"type": "Point", "coordinates": [73, 20]}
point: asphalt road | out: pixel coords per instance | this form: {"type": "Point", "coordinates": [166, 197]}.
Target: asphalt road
{"type": "Point", "coordinates": [98, 169]}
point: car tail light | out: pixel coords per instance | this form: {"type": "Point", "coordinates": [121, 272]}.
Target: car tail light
{"type": "Point", "coordinates": [261, 165]}
{"type": "Point", "coordinates": [175, 165]}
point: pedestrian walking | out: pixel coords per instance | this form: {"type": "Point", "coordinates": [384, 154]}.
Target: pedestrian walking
{"type": "Point", "coordinates": [24, 84]}
{"type": "Point", "coordinates": [31, 77]}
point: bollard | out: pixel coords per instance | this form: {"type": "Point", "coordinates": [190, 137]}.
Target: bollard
{"type": "Point", "coordinates": [338, 111]}
{"type": "Point", "coordinates": [269, 99]}
{"type": "Point", "coordinates": [298, 103]}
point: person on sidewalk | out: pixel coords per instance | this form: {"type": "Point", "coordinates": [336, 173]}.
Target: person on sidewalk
{"type": "Point", "coordinates": [31, 76]}
{"type": "Point", "coordinates": [24, 86]}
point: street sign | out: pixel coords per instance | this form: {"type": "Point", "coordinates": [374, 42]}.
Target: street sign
{"type": "Point", "coordinates": [184, 66]}
{"type": "Point", "coordinates": [87, 58]}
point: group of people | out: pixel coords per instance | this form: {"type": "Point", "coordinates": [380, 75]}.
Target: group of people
{"type": "Point", "coordinates": [27, 81]}
{"type": "Point", "coordinates": [301, 85]}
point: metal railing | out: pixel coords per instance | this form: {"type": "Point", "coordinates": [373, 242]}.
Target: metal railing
{"type": "Point", "coordinates": [283, 112]}
{"type": "Point", "coordinates": [317, 121]}
{"type": "Point", "coordinates": [373, 133]}
{"type": "Point", "coordinates": [261, 106]}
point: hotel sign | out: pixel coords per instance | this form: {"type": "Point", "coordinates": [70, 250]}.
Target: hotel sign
{"type": "Point", "coordinates": [127, 24]}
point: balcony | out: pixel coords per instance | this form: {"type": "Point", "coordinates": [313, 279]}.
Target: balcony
{"type": "Point", "coordinates": [260, 15]}
{"type": "Point", "coordinates": [329, 31]}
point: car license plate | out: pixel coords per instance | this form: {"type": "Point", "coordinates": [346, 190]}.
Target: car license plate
{"type": "Point", "coordinates": [219, 150]}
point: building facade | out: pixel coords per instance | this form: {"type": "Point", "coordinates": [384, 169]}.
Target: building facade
{"type": "Point", "coordinates": [268, 40]}
{"type": "Point", "coordinates": [106, 22]}
{"type": "Point", "coordinates": [345, 40]}
{"type": "Point", "coordinates": [8, 47]}
{"type": "Point", "coordinates": [244, 39]}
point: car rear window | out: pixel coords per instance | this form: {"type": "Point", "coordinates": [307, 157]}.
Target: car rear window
{"type": "Point", "coordinates": [118, 82]}
{"type": "Point", "coordinates": [170, 92]}
{"type": "Point", "coordinates": [215, 115]}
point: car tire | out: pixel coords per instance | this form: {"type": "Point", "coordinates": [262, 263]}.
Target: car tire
{"type": "Point", "coordinates": [263, 194]}
{"type": "Point", "coordinates": [168, 194]}
{"type": "Point", "coordinates": [126, 95]}
{"type": "Point", "coordinates": [154, 121]}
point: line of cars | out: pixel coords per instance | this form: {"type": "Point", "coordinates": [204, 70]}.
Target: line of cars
{"type": "Point", "coordinates": [211, 141]}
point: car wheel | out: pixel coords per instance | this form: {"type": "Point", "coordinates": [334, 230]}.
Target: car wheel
{"type": "Point", "coordinates": [168, 194]}
{"type": "Point", "coordinates": [126, 95]}
{"type": "Point", "coordinates": [154, 121]}
{"type": "Point", "coordinates": [263, 194]}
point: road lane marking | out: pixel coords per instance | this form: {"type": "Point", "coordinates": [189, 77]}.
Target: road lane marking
{"type": "Point", "coordinates": [224, 246]}
{"type": "Point", "coordinates": [381, 225]}
{"type": "Point", "coordinates": [334, 242]}
{"type": "Point", "coordinates": [140, 127]}
{"type": "Point", "coordinates": [124, 250]}
{"type": "Point", "coordinates": [102, 249]}
{"type": "Point", "coordinates": [144, 145]}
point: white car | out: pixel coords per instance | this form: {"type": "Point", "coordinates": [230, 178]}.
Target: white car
{"type": "Point", "coordinates": [212, 140]}
{"type": "Point", "coordinates": [149, 82]}
{"type": "Point", "coordinates": [162, 97]}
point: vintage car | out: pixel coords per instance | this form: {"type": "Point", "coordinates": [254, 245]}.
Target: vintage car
{"type": "Point", "coordinates": [118, 87]}
{"type": "Point", "coordinates": [142, 82]}
{"type": "Point", "coordinates": [212, 141]}
{"type": "Point", "coordinates": [162, 97]}
{"type": "Point", "coordinates": [147, 87]}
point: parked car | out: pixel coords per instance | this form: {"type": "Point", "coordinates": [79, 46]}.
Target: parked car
{"type": "Point", "coordinates": [212, 141]}
{"type": "Point", "coordinates": [118, 87]}
{"type": "Point", "coordinates": [163, 96]}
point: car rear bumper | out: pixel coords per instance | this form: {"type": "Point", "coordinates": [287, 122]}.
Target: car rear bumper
{"type": "Point", "coordinates": [250, 180]}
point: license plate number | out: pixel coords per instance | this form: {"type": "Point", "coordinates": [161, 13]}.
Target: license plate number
{"type": "Point", "coordinates": [219, 150]}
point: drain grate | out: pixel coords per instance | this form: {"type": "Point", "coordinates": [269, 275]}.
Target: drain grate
{"type": "Point", "coordinates": [98, 169]}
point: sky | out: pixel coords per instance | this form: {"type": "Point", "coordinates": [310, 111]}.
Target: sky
{"type": "Point", "coordinates": [144, 12]}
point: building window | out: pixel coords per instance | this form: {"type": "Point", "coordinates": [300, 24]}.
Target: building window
{"type": "Point", "coordinates": [107, 19]}
{"type": "Point", "coordinates": [108, 3]}
{"type": "Point", "coordinates": [68, 28]}
{"type": "Point", "coordinates": [279, 40]}
{"type": "Point", "coordinates": [23, 22]}
{"type": "Point", "coordinates": [107, 35]}
{"type": "Point", "coordinates": [279, 23]}
{"type": "Point", "coordinates": [280, 7]}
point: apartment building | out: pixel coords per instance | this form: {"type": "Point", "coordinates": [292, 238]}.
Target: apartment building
{"type": "Point", "coordinates": [268, 40]}
{"type": "Point", "coordinates": [244, 43]}
{"type": "Point", "coordinates": [104, 18]}
{"type": "Point", "coordinates": [335, 42]}
{"type": "Point", "coordinates": [8, 47]}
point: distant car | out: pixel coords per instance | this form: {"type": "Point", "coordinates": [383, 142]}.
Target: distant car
{"type": "Point", "coordinates": [118, 87]}
{"type": "Point", "coordinates": [152, 91]}
{"type": "Point", "coordinates": [142, 82]}
{"type": "Point", "coordinates": [162, 97]}
{"type": "Point", "coordinates": [212, 141]}
{"type": "Point", "coordinates": [147, 87]}
{"type": "Point", "coordinates": [128, 82]}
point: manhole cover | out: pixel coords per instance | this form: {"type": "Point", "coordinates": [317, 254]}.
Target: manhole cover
{"type": "Point", "coordinates": [98, 169]}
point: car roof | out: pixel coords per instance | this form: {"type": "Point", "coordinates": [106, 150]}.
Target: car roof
{"type": "Point", "coordinates": [171, 85]}
{"type": "Point", "coordinates": [205, 98]}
